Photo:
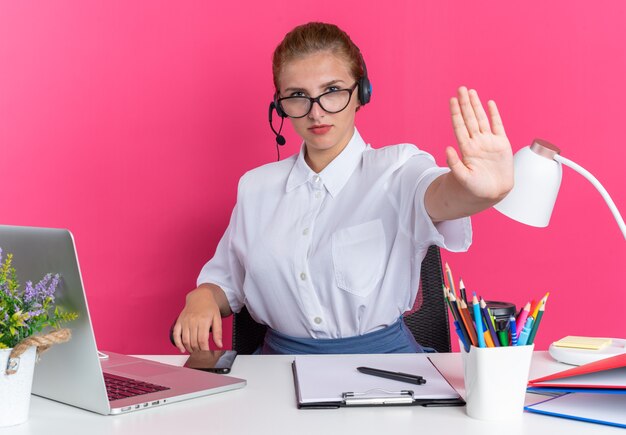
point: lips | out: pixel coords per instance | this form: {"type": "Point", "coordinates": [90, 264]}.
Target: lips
{"type": "Point", "coordinates": [320, 129]}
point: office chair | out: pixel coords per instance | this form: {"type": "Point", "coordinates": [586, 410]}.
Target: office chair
{"type": "Point", "coordinates": [427, 320]}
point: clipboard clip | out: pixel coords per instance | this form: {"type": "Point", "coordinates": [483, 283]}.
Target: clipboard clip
{"type": "Point", "coordinates": [366, 398]}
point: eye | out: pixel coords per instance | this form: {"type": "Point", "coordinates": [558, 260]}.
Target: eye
{"type": "Point", "coordinates": [297, 94]}
{"type": "Point", "coordinates": [333, 89]}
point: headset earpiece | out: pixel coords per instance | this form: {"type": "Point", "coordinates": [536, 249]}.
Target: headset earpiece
{"type": "Point", "coordinates": [277, 106]}
{"type": "Point", "coordinates": [365, 87]}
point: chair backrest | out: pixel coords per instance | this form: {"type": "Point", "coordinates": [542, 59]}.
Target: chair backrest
{"type": "Point", "coordinates": [427, 321]}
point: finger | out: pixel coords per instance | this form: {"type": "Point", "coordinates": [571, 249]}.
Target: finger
{"type": "Point", "coordinates": [193, 337]}
{"type": "Point", "coordinates": [455, 164]}
{"type": "Point", "coordinates": [217, 330]}
{"type": "Point", "coordinates": [185, 338]}
{"type": "Point", "coordinates": [496, 122]}
{"type": "Point", "coordinates": [458, 124]}
{"type": "Point", "coordinates": [176, 334]}
{"type": "Point", "coordinates": [203, 336]}
{"type": "Point", "coordinates": [468, 112]}
{"type": "Point", "coordinates": [481, 116]}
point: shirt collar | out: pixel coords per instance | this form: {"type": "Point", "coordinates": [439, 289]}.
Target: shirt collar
{"type": "Point", "coordinates": [336, 174]}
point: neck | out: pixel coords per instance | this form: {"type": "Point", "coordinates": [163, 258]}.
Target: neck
{"type": "Point", "coordinates": [319, 159]}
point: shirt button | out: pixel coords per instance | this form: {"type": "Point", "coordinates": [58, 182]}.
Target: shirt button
{"type": "Point", "coordinates": [305, 231]}
{"type": "Point", "coordinates": [318, 195]}
{"type": "Point", "coordinates": [318, 320]}
{"type": "Point", "coordinates": [303, 276]}
{"type": "Point", "coordinates": [316, 179]}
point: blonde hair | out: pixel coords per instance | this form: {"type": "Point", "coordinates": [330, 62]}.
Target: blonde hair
{"type": "Point", "coordinates": [313, 38]}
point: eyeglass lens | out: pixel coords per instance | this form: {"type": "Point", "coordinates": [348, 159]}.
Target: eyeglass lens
{"type": "Point", "coordinates": [331, 102]}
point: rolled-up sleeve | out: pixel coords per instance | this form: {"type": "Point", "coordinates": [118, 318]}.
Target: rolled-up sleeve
{"type": "Point", "coordinates": [225, 268]}
{"type": "Point", "coordinates": [408, 188]}
{"type": "Point", "coordinates": [453, 235]}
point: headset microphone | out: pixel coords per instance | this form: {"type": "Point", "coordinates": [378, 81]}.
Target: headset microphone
{"type": "Point", "coordinates": [280, 139]}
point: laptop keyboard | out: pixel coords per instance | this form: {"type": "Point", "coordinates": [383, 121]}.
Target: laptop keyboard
{"type": "Point", "coordinates": [119, 387]}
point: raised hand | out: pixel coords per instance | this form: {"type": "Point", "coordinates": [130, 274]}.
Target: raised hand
{"type": "Point", "coordinates": [485, 167]}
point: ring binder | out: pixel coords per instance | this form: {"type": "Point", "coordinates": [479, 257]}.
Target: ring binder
{"type": "Point", "coordinates": [392, 398]}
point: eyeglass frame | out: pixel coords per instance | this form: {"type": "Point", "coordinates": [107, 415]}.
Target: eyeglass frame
{"type": "Point", "coordinates": [314, 100]}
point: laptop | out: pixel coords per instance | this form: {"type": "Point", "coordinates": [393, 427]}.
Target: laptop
{"type": "Point", "coordinates": [72, 372]}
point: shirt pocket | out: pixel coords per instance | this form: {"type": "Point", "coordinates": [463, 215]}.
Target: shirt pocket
{"type": "Point", "coordinates": [359, 256]}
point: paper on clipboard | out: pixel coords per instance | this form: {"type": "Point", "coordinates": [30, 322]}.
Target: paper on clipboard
{"type": "Point", "coordinates": [325, 378]}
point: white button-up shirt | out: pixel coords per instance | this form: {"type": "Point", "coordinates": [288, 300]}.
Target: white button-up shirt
{"type": "Point", "coordinates": [335, 254]}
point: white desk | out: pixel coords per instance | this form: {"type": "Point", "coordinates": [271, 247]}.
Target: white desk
{"type": "Point", "coordinates": [267, 406]}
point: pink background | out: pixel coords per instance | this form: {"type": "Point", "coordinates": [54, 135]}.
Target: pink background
{"type": "Point", "coordinates": [130, 123]}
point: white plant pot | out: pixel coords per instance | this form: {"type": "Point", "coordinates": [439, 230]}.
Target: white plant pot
{"type": "Point", "coordinates": [15, 389]}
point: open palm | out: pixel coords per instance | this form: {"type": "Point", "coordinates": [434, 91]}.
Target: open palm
{"type": "Point", "coordinates": [485, 166]}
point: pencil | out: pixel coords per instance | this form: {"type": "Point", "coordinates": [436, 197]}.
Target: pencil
{"type": "Point", "coordinates": [450, 280]}
{"type": "Point", "coordinates": [489, 321]}
{"type": "Point", "coordinates": [480, 332]}
{"type": "Point", "coordinates": [531, 337]}
{"type": "Point", "coordinates": [469, 324]}
{"type": "Point", "coordinates": [456, 313]}
{"type": "Point", "coordinates": [462, 290]}
{"type": "Point", "coordinates": [541, 302]}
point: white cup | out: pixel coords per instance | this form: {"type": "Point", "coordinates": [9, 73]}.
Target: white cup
{"type": "Point", "coordinates": [495, 381]}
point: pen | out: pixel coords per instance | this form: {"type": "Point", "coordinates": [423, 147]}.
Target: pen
{"type": "Point", "coordinates": [512, 328]}
{"type": "Point", "coordinates": [526, 330]}
{"type": "Point", "coordinates": [521, 319]}
{"type": "Point", "coordinates": [503, 333]}
{"type": "Point", "coordinates": [462, 336]}
{"type": "Point", "coordinates": [396, 376]}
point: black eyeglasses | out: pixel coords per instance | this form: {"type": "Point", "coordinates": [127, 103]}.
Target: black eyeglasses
{"type": "Point", "coordinates": [330, 102]}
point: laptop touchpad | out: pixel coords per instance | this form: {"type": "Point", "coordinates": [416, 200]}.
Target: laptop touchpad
{"type": "Point", "coordinates": [143, 369]}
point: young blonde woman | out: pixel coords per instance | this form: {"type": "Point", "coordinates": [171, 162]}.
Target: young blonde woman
{"type": "Point", "coordinates": [325, 246]}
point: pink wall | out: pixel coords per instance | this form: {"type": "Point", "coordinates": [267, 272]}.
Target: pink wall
{"type": "Point", "coordinates": [131, 122]}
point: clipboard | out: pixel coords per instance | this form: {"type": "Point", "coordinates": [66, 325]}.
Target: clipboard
{"type": "Point", "coordinates": [332, 381]}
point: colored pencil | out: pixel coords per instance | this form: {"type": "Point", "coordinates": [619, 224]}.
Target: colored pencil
{"type": "Point", "coordinates": [450, 280]}
{"type": "Point", "coordinates": [489, 321]}
{"type": "Point", "coordinates": [531, 337]}
{"type": "Point", "coordinates": [467, 319]}
{"type": "Point", "coordinates": [541, 302]}
{"type": "Point", "coordinates": [480, 332]}
{"type": "Point", "coordinates": [459, 318]}
{"type": "Point", "coordinates": [462, 290]}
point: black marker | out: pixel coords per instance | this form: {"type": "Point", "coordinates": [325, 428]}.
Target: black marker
{"type": "Point", "coordinates": [396, 376]}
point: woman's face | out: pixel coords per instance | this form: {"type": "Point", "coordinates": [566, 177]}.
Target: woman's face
{"type": "Point", "coordinates": [311, 76]}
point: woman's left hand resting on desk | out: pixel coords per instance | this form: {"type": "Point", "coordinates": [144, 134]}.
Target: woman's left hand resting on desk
{"type": "Point", "coordinates": [483, 174]}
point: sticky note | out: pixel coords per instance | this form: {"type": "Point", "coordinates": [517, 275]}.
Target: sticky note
{"type": "Point", "coordinates": [592, 343]}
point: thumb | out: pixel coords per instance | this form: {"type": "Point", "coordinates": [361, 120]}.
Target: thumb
{"type": "Point", "coordinates": [455, 164]}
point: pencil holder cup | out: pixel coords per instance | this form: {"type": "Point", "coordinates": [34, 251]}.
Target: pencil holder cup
{"type": "Point", "coordinates": [495, 381]}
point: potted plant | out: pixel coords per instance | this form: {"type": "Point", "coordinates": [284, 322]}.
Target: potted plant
{"type": "Point", "coordinates": [30, 322]}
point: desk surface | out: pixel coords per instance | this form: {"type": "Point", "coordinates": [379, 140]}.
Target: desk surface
{"type": "Point", "coordinates": [267, 406]}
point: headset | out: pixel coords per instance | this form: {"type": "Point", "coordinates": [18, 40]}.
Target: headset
{"type": "Point", "coordinates": [364, 93]}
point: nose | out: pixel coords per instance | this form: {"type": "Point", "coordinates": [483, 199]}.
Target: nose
{"type": "Point", "coordinates": [316, 111]}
